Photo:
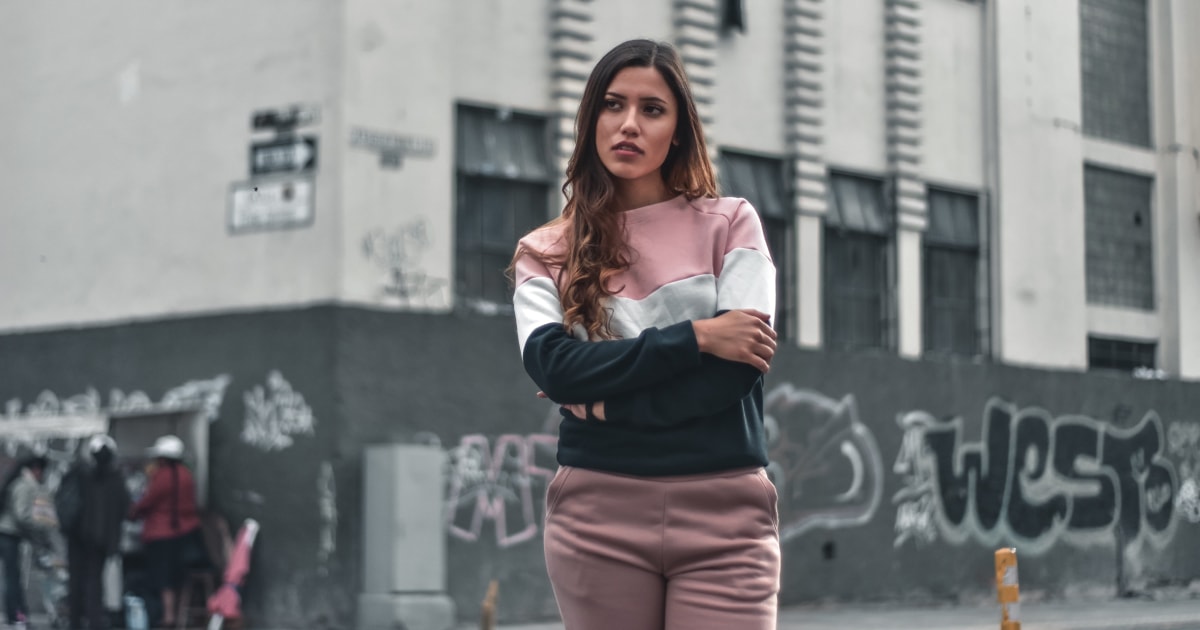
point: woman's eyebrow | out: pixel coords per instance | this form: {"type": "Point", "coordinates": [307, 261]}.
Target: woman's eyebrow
{"type": "Point", "coordinates": [622, 97]}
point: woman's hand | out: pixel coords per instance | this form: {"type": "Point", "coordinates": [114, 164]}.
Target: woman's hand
{"type": "Point", "coordinates": [741, 335]}
{"type": "Point", "coordinates": [580, 410]}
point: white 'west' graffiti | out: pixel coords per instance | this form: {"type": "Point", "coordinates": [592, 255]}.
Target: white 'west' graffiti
{"type": "Point", "coordinates": [1033, 480]}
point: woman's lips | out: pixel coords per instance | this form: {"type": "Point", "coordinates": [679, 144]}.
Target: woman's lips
{"type": "Point", "coordinates": [625, 149]}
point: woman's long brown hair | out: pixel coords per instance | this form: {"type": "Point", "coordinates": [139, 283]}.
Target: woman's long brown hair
{"type": "Point", "coordinates": [595, 249]}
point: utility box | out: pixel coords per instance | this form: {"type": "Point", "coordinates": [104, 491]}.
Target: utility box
{"type": "Point", "coordinates": [404, 542]}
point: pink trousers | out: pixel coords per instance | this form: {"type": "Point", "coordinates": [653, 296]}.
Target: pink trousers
{"type": "Point", "coordinates": [695, 552]}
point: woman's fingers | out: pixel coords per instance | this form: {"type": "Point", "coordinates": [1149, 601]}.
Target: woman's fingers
{"type": "Point", "coordinates": [742, 335]}
{"type": "Point", "coordinates": [757, 313]}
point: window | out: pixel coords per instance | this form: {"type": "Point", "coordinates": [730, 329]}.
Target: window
{"type": "Point", "coordinates": [858, 304]}
{"type": "Point", "coordinates": [1119, 354]}
{"type": "Point", "coordinates": [1120, 243]}
{"type": "Point", "coordinates": [1115, 68]}
{"type": "Point", "coordinates": [503, 190]}
{"type": "Point", "coordinates": [760, 180]}
{"type": "Point", "coordinates": [951, 274]}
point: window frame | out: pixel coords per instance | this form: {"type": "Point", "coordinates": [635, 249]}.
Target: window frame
{"type": "Point", "coordinates": [982, 292]}
{"type": "Point", "coordinates": [886, 281]}
{"type": "Point", "coordinates": [478, 300]}
{"type": "Point", "coordinates": [1155, 297]}
{"type": "Point", "coordinates": [1150, 121]}
{"type": "Point", "coordinates": [1153, 346]}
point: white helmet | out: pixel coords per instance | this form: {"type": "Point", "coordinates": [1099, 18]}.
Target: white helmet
{"type": "Point", "coordinates": [99, 441]}
{"type": "Point", "coordinates": [167, 446]}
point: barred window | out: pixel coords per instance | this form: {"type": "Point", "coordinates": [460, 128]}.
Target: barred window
{"type": "Point", "coordinates": [951, 274]}
{"type": "Point", "coordinates": [1120, 241]}
{"type": "Point", "coordinates": [503, 183]}
{"type": "Point", "coordinates": [1120, 354]}
{"type": "Point", "coordinates": [1115, 68]}
{"type": "Point", "coordinates": [858, 303]}
{"type": "Point", "coordinates": [761, 181]}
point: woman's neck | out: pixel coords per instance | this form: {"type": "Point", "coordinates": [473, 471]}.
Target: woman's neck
{"type": "Point", "coordinates": [643, 192]}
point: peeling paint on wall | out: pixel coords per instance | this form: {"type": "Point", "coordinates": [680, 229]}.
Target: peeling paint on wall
{"type": "Point", "coordinates": [275, 414]}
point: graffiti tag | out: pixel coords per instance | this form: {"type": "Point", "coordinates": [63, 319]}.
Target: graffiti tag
{"type": "Point", "coordinates": [1034, 479]}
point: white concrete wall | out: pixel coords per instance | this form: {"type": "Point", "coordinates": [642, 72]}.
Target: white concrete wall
{"type": "Point", "coordinates": [620, 20]}
{"type": "Point", "coordinates": [125, 124]}
{"type": "Point", "coordinates": [507, 60]}
{"type": "Point", "coordinates": [952, 82]}
{"type": "Point", "coordinates": [855, 106]}
{"type": "Point", "coordinates": [750, 75]}
{"type": "Point", "coordinates": [1040, 224]}
{"type": "Point", "coordinates": [399, 80]}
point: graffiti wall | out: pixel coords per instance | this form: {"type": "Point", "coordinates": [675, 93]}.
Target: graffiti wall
{"type": "Point", "coordinates": [1092, 478]}
{"type": "Point", "coordinates": [1034, 480]}
{"type": "Point", "coordinates": [897, 479]}
{"type": "Point", "coordinates": [259, 383]}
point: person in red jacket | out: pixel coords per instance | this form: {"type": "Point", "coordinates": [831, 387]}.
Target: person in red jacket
{"type": "Point", "coordinates": [171, 523]}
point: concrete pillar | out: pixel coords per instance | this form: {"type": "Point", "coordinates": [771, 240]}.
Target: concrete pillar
{"type": "Point", "coordinates": [904, 129]}
{"type": "Point", "coordinates": [804, 99]}
{"type": "Point", "coordinates": [808, 257]}
{"type": "Point", "coordinates": [571, 25]}
{"type": "Point", "coordinates": [1179, 188]}
{"type": "Point", "coordinates": [908, 290]}
{"type": "Point", "coordinates": [696, 36]}
{"type": "Point", "coordinates": [404, 546]}
{"type": "Point", "coordinates": [1039, 245]}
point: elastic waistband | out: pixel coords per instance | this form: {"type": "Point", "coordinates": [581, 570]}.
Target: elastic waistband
{"type": "Point", "coordinates": [720, 474]}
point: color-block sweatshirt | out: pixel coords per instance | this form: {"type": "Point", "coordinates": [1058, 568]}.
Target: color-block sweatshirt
{"type": "Point", "coordinates": [670, 409]}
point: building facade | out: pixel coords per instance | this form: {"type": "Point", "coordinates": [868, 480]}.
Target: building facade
{"type": "Point", "coordinates": [294, 217]}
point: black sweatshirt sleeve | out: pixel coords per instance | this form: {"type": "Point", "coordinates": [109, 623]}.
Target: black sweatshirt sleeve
{"type": "Point", "coordinates": [569, 370]}
{"type": "Point", "coordinates": [715, 385]}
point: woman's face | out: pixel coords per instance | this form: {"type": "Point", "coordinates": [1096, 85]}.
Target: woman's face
{"type": "Point", "coordinates": [636, 125]}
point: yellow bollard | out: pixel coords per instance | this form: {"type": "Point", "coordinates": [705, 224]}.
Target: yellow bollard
{"type": "Point", "coordinates": [1007, 589]}
{"type": "Point", "coordinates": [487, 617]}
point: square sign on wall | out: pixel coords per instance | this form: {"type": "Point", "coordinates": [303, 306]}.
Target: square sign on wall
{"type": "Point", "coordinates": [271, 204]}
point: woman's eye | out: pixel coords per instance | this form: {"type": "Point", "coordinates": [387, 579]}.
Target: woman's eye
{"type": "Point", "coordinates": [611, 104]}
{"type": "Point", "coordinates": [654, 110]}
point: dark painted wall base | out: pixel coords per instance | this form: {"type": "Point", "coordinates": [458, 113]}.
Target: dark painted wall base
{"type": "Point", "coordinates": [898, 479]}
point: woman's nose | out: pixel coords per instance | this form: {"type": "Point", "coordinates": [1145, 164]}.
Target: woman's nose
{"type": "Point", "coordinates": [629, 123]}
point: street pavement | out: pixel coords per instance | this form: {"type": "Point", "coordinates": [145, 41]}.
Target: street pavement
{"type": "Point", "coordinates": [1122, 614]}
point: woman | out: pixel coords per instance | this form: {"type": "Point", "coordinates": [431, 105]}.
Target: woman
{"type": "Point", "coordinates": [171, 527]}
{"type": "Point", "coordinates": [93, 532]}
{"type": "Point", "coordinates": [644, 312]}
{"type": "Point", "coordinates": [27, 515]}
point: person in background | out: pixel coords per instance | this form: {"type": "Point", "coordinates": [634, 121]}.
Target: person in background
{"type": "Point", "coordinates": [27, 515]}
{"type": "Point", "coordinates": [171, 521]}
{"type": "Point", "coordinates": [93, 504]}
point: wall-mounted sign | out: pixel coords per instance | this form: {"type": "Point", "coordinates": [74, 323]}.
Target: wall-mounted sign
{"type": "Point", "coordinates": [282, 119]}
{"type": "Point", "coordinates": [271, 204]}
{"type": "Point", "coordinates": [392, 148]}
{"type": "Point", "coordinates": [295, 154]}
